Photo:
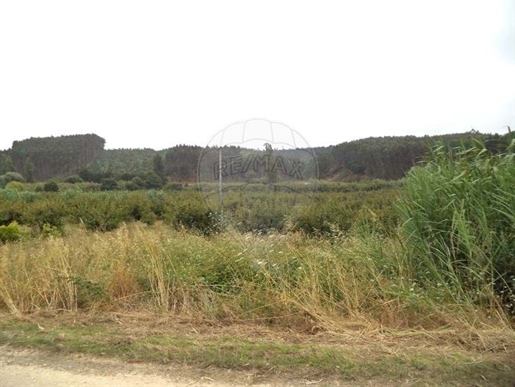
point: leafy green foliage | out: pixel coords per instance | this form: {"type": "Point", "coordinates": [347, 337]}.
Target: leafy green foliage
{"type": "Point", "coordinates": [123, 164]}
{"type": "Point", "coordinates": [153, 181]}
{"type": "Point", "coordinates": [384, 158]}
{"type": "Point", "coordinates": [28, 170]}
{"type": "Point", "coordinates": [6, 164]}
{"type": "Point", "coordinates": [333, 211]}
{"type": "Point", "coordinates": [15, 185]}
{"type": "Point", "coordinates": [159, 166]}
{"type": "Point", "coordinates": [173, 186]}
{"type": "Point", "coordinates": [459, 214]}
{"type": "Point", "coordinates": [180, 162]}
{"type": "Point", "coordinates": [50, 231]}
{"type": "Point", "coordinates": [10, 176]}
{"type": "Point", "coordinates": [74, 179]}
{"type": "Point", "coordinates": [135, 184]}
{"type": "Point", "coordinates": [100, 212]}
{"type": "Point", "coordinates": [93, 176]}
{"type": "Point", "coordinates": [108, 184]}
{"type": "Point", "coordinates": [51, 186]}
{"type": "Point", "coordinates": [11, 232]}
{"type": "Point", "coordinates": [195, 216]}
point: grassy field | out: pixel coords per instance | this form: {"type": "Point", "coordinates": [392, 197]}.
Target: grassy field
{"type": "Point", "coordinates": [368, 282]}
{"type": "Point", "coordinates": [286, 279]}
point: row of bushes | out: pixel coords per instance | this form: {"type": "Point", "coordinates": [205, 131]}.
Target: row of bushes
{"type": "Point", "coordinates": [15, 181]}
{"type": "Point", "coordinates": [320, 213]}
{"type": "Point", "coordinates": [105, 185]}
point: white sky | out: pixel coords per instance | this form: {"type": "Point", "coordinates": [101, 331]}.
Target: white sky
{"type": "Point", "coordinates": [160, 73]}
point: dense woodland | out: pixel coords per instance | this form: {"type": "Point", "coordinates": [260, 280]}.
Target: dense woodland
{"type": "Point", "coordinates": [390, 158]}
{"type": "Point", "coordinates": [83, 158]}
{"type": "Point", "coordinates": [40, 159]}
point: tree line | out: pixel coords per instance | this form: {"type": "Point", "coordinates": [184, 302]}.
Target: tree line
{"type": "Point", "coordinates": [390, 158]}
{"type": "Point", "coordinates": [83, 158]}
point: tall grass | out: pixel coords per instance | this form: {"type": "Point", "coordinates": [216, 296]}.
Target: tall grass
{"type": "Point", "coordinates": [459, 214]}
{"type": "Point", "coordinates": [358, 280]}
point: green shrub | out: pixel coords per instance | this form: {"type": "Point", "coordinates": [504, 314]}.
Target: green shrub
{"type": "Point", "coordinates": [50, 231]}
{"type": "Point", "coordinates": [135, 184]}
{"type": "Point", "coordinates": [153, 181]}
{"type": "Point", "coordinates": [10, 176]}
{"type": "Point", "coordinates": [12, 232]}
{"type": "Point", "coordinates": [100, 211]}
{"type": "Point", "coordinates": [46, 209]}
{"type": "Point", "coordinates": [173, 186]}
{"type": "Point", "coordinates": [261, 218]}
{"type": "Point", "coordinates": [139, 207]}
{"type": "Point", "coordinates": [108, 184]}
{"type": "Point", "coordinates": [51, 186]}
{"type": "Point", "coordinates": [15, 186]}
{"type": "Point", "coordinates": [73, 179]}
{"type": "Point", "coordinates": [198, 218]}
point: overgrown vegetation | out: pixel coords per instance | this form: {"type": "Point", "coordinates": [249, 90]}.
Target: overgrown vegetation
{"type": "Point", "coordinates": [434, 251]}
{"type": "Point", "coordinates": [248, 211]}
{"type": "Point", "coordinates": [459, 214]}
{"type": "Point", "coordinates": [285, 280]}
{"type": "Point", "coordinates": [11, 232]}
{"type": "Point", "coordinates": [315, 258]}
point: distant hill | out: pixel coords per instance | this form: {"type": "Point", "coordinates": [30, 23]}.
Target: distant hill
{"type": "Point", "coordinates": [388, 158]}
{"type": "Point", "coordinates": [391, 158]}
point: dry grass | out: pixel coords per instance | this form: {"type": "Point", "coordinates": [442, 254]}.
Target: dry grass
{"type": "Point", "coordinates": [355, 354]}
{"type": "Point", "coordinates": [331, 284]}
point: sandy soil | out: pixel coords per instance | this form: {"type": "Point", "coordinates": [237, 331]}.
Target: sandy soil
{"type": "Point", "coordinates": [39, 368]}
{"type": "Point", "coordinates": [36, 368]}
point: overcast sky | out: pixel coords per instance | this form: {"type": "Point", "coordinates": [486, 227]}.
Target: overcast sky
{"type": "Point", "coordinates": [156, 74]}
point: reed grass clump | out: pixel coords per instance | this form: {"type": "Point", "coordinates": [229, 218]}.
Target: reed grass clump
{"type": "Point", "coordinates": [459, 223]}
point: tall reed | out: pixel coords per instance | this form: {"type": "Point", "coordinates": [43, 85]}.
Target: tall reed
{"type": "Point", "coordinates": [459, 222]}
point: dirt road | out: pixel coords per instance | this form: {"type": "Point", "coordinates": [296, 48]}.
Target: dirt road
{"type": "Point", "coordinates": [34, 368]}
{"type": "Point", "coordinates": [39, 368]}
